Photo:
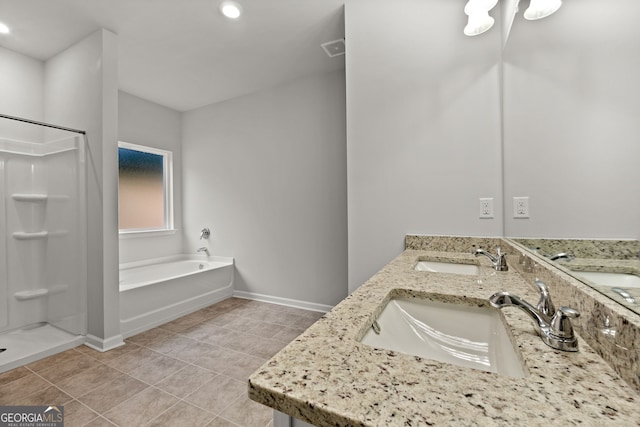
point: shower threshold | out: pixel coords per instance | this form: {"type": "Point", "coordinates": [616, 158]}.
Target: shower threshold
{"type": "Point", "coordinates": [33, 343]}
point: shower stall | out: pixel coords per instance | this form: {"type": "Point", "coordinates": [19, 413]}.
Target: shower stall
{"type": "Point", "coordinates": [43, 273]}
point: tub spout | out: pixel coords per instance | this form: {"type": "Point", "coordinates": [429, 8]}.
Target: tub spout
{"type": "Point", "coordinates": [203, 249]}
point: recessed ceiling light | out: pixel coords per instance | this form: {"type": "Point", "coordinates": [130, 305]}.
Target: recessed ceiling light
{"type": "Point", "coordinates": [230, 9]}
{"type": "Point", "coordinates": [4, 29]}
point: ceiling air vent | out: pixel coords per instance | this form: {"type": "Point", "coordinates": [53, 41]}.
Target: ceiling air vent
{"type": "Point", "coordinates": [334, 48]}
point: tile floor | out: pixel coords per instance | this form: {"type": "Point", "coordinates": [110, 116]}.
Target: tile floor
{"type": "Point", "coordinates": [189, 372]}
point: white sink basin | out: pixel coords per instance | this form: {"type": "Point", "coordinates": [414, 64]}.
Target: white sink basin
{"type": "Point", "coordinates": [473, 337]}
{"type": "Point", "coordinates": [620, 280]}
{"type": "Point", "coordinates": [447, 267]}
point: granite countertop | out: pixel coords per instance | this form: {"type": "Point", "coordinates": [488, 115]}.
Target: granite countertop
{"type": "Point", "coordinates": [327, 377]}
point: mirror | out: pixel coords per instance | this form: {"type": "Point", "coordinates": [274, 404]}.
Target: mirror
{"type": "Point", "coordinates": [571, 113]}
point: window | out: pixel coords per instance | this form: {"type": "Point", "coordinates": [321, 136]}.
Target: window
{"type": "Point", "coordinates": [145, 194]}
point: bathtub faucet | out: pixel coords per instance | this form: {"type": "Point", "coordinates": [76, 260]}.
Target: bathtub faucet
{"type": "Point", "coordinates": [203, 249]}
{"type": "Point", "coordinates": [205, 233]}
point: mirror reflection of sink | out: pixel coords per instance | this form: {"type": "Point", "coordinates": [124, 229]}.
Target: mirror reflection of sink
{"type": "Point", "coordinates": [621, 280]}
{"type": "Point", "coordinates": [473, 337]}
{"type": "Point", "coordinates": [447, 267]}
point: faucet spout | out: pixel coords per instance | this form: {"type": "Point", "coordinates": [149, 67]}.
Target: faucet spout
{"type": "Point", "coordinates": [499, 261]}
{"type": "Point", "coordinates": [504, 299]}
{"type": "Point", "coordinates": [203, 249]}
{"type": "Point", "coordinates": [555, 331]}
{"type": "Point", "coordinates": [562, 255]}
{"type": "Point", "coordinates": [485, 253]}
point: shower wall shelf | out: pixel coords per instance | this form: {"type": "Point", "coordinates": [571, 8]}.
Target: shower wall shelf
{"type": "Point", "coordinates": [39, 293]}
{"type": "Point", "coordinates": [23, 197]}
{"type": "Point", "coordinates": [23, 235]}
{"type": "Point", "coordinates": [19, 197]}
{"type": "Point", "coordinates": [31, 294]}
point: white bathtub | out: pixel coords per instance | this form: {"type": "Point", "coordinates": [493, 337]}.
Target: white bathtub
{"type": "Point", "coordinates": [159, 290]}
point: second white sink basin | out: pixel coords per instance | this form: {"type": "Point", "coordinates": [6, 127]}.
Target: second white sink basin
{"type": "Point", "coordinates": [447, 267]}
{"type": "Point", "coordinates": [473, 337]}
{"type": "Point", "coordinates": [621, 280]}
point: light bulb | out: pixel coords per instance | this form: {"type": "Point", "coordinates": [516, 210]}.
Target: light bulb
{"type": "Point", "coordinates": [478, 6]}
{"type": "Point", "coordinates": [539, 9]}
{"type": "Point", "coordinates": [478, 23]}
{"type": "Point", "coordinates": [230, 9]}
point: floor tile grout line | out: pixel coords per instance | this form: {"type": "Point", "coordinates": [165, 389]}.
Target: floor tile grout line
{"type": "Point", "coordinates": [180, 399]}
{"type": "Point", "coordinates": [165, 411]}
{"type": "Point", "coordinates": [50, 384]}
{"type": "Point", "coordinates": [103, 414]}
{"type": "Point", "coordinates": [52, 366]}
{"type": "Point", "coordinates": [219, 414]}
{"type": "Point", "coordinates": [229, 421]}
{"type": "Point", "coordinates": [282, 344]}
{"type": "Point", "coordinates": [104, 418]}
{"type": "Point", "coordinates": [239, 315]}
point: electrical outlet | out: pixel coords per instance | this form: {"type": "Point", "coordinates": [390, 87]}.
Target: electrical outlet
{"type": "Point", "coordinates": [486, 207]}
{"type": "Point", "coordinates": [521, 207]}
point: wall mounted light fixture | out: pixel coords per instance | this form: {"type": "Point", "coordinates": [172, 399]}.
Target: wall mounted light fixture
{"type": "Point", "coordinates": [539, 9]}
{"type": "Point", "coordinates": [479, 20]}
{"type": "Point", "coordinates": [478, 23]}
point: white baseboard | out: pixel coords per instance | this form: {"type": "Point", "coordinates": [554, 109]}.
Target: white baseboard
{"type": "Point", "coordinates": [283, 301]}
{"type": "Point", "coordinates": [103, 345]}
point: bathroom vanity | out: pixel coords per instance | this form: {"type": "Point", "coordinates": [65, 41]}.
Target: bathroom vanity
{"type": "Point", "coordinates": [327, 376]}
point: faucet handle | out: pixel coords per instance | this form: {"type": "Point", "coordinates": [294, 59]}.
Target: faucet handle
{"type": "Point", "coordinates": [205, 233]}
{"type": "Point", "coordinates": [545, 305]}
{"type": "Point", "coordinates": [560, 335]}
{"type": "Point", "coordinates": [501, 261]}
{"type": "Point", "coordinates": [561, 322]}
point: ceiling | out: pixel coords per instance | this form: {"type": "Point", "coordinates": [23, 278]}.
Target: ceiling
{"type": "Point", "coordinates": [184, 54]}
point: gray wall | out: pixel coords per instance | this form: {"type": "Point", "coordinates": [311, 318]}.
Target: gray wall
{"type": "Point", "coordinates": [423, 127]}
{"type": "Point", "coordinates": [21, 95]}
{"type": "Point", "coordinates": [571, 114]}
{"type": "Point", "coordinates": [146, 123]}
{"type": "Point", "coordinates": [267, 173]}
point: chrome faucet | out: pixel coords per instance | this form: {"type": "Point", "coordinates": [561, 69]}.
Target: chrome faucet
{"type": "Point", "coordinates": [561, 255]}
{"type": "Point", "coordinates": [499, 260]}
{"type": "Point", "coordinates": [553, 326]}
{"type": "Point", "coordinates": [205, 233]}
{"type": "Point", "coordinates": [203, 249]}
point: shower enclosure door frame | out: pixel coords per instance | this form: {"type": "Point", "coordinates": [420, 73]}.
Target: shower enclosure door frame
{"type": "Point", "coordinates": [45, 218]}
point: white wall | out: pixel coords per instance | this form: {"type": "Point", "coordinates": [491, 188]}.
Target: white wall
{"type": "Point", "coordinates": [146, 123]}
{"type": "Point", "coordinates": [423, 127]}
{"type": "Point", "coordinates": [21, 95]}
{"type": "Point", "coordinates": [81, 91]}
{"type": "Point", "coordinates": [267, 172]}
{"type": "Point", "coordinates": [571, 114]}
